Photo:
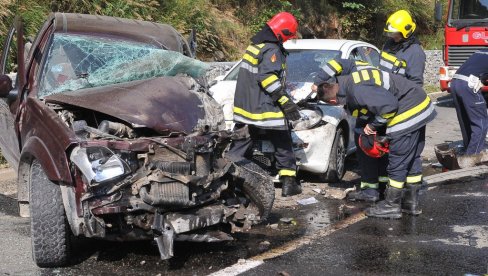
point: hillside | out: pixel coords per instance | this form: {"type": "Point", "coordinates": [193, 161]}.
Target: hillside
{"type": "Point", "coordinates": [224, 26]}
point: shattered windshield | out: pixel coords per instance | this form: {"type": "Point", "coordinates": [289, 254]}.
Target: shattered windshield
{"type": "Point", "coordinates": [78, 61]}
{"type": "Point", "coordinates": [303, 64]}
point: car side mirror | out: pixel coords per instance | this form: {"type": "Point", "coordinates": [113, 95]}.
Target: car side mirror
{"type": "Point", "coordinates": [5, 86]}
{"type": "Point", "coordinates": [438, 12]}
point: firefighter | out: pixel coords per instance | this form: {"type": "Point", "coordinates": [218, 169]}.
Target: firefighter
{"type": "Point", "coordinates": [402, 53]}
{"type": "Point", "coordinates": [261, 104]}
{"type": "Point", "coordinates": [470, 103]}
{"type": "Point", "coordinates": [337, 67]}
{"type": "Point", "coordinates": [373, 170]}
{"type": "Point", "coordinates": [403, 109]}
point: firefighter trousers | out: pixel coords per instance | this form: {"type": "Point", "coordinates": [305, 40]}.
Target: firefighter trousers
{"type": "Point", "coordinates": [472, 116]}
{"type": "Point", "coordinates": [404, 159]}
{"type": "Point", "coordinates": [281, 140]}
{"type": "Point", "coordinates": [373, 170]}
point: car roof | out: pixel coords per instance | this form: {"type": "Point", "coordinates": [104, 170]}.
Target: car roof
{"type": "Point", "coordinates": [323, 44]}
{"type": "Point", "coordinates": [159, 35]}
{"type": "Point", "coordinates": [343, 45]}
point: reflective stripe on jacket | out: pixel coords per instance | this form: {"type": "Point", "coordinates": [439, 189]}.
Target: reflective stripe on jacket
{"type": "Point", "coordinates": [261, 73]}
{"type": "Point", "coordinates": [388, 100]}
{"type": "Point", "coordinates": [338, 66]}
{"type": "Point", "coordinates": [408, 62]}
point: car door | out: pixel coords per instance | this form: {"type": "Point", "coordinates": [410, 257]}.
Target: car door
{"type": "Point", "coordinates": [12, 60]}
{"type": "Point", "coordinates": [369, 54]}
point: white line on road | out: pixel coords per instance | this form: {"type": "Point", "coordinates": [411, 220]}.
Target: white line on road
{"type": "Point", "coordinates": [243, 266]}
{"type": "Point", "coordinates": [238, 268]}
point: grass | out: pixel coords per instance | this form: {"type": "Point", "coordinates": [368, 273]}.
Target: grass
{"type": "Point", "coordinates": [3, 162]}
{"type": "Point", "coordinates": [433, 41]}
{"type": "Point", "coordinates": [431, 88]}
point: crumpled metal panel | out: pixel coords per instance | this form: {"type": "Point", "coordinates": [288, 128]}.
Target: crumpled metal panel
{"type": "Point", "coordinates": [163, 104]}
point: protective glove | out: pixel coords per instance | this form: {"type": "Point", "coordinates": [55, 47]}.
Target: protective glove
{"type": "Point", "coordinates": [289, 108]}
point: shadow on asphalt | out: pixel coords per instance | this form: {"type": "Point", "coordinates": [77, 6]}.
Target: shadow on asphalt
{"type": "Point", "coordinates": [350, 166]}
{"type": "Point", "coordinates": [445, 101]}
{"type": "Point", "coordinates": [8, 205]}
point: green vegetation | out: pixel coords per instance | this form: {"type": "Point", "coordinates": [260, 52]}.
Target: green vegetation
{"type": "Point", "coordinates": [3, 162]}
{"type": "Point", "coordinates": [431, 88]}
{"type": "Point", "coordinates": [224, 26]}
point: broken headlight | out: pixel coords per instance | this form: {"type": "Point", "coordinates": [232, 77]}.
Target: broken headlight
{"type": "Point", "coordinates": [98, 164]}
{"type": "Point", "coordinates": [310, 119]}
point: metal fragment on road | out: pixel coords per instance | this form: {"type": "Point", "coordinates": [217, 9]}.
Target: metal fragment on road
{"type": "Point", "coordinates": [317, 190]}
{"type": "Point", "coordinates": [307, 201]}
{"type": "Point", "coordinates": [286, 220]}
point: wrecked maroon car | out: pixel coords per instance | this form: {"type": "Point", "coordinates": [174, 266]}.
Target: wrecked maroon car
{"type": "Point", "coordinates": [114, 136]}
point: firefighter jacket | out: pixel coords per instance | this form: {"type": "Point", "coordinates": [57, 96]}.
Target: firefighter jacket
{"type": "Point", "coordinates": [388, 100]}
{"type": "Point", "coordinates": [476, 64]}
{"type": "Point", "coordinates": [261, 73]}
{"type": "Point", "coordinates": [406, 59]}
{"type": "Point", "coordinates": [339, 66]}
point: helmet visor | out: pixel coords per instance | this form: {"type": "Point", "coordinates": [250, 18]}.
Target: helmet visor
{"type": "Point", "coordinates": [393, 34]}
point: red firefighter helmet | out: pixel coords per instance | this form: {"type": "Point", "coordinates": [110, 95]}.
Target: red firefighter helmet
{"type": "Point", "coordinates": [374, 146]}
{"type": "Point", "coordinates": [284, 25]}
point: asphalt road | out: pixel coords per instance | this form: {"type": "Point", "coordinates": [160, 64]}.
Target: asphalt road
{"type": "Point", "coordinates": [329, 237]}
{"type": "Point", "coordinates": [449, 238]}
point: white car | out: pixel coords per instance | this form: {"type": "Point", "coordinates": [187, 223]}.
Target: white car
{"type": "Point", "coordinates": [320, 150]}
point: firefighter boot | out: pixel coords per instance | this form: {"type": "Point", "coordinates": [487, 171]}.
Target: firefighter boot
{"type": "Point", "coordinates": [290, 186]}
{"type": "Point", "coordinates": [410, 201]}
{"type": "Point", "coordinates": [388, 208]}
{"type": "Point", "coordinates": [368, 195]}
{"type": "Point", "coordinates": [382, 189]}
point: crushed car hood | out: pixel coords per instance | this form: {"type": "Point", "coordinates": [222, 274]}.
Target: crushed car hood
{"type": "Point", "coordinates": [164, 104]}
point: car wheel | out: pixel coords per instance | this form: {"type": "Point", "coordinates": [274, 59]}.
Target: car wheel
{"type": "Point", "coordinates": [337, 158]}
{"type": "Point", "coordinates": [257, 185]}
{"type": "Point", "coordinates": [50, 232]}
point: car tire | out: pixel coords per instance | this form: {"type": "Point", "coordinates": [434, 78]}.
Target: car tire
{"type": "Point", "coordinates": [50, 232]}
{"type": "Point", "coordinates": [258, 186]}
{"type": "Point", "coordinates": [337, 158]}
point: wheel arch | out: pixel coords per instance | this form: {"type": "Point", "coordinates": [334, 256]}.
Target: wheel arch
{"type": "Point", "coordinates": [35, 149]}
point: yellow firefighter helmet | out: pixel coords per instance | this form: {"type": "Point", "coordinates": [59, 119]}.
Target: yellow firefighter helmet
{"type": "Point", "coordinates": [400, 22]}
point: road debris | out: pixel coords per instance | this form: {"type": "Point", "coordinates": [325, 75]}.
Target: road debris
{"type": "Point", "coordinates": [264, 245]}
{"type": "Point", "coordinates": [286, 220]}
{"type": "Point", "coordinates": [273, 226]}
{"type": "Point", "coordinates": [307, 201]}
{"type": "Point", "coordinates": [318, 191]}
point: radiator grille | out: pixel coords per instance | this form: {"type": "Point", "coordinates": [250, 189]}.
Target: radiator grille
{"type": "Point", "coordinates": [457, 55]}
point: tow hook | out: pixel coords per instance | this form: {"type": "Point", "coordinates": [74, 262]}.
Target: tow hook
{"type": "Point", "coordinates": [163, 235]}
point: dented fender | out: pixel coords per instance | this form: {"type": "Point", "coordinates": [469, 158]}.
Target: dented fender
{"type": "Point", "coordinates": [313, 147]}
{"type": "Point", "coordinates": [333, 114]}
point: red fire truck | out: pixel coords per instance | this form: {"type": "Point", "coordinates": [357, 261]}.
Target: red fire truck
{"type": "Point", "coordinates": [466, 31]}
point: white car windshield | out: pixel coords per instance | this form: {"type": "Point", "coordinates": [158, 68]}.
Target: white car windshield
{"type": "Point", "coordinates": [79, 61]}
{"type": "Point", "coordinates": [303, 64]}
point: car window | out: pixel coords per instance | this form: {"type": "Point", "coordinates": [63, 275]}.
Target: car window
{"type": "Point", "coordinates": [369, 55]}
{"type": "Point", "coordinates": [78, 61]}
{"type": "Point", "coordinates": [232, 76]}
{"type": "Point", "coordinates": [302, 64]}
{"type": "Point", "coordinates": [355, 54]}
